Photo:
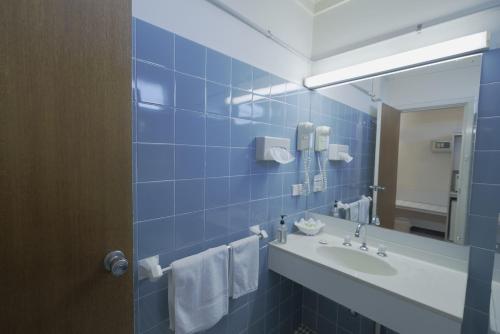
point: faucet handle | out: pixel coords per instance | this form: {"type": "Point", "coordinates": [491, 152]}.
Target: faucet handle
{"type": "Point", "coordinates": [382, 251]}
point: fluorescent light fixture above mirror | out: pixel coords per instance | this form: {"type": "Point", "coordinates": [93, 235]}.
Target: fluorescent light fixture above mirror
{"type": "Point", "coordinates": [453, 48]}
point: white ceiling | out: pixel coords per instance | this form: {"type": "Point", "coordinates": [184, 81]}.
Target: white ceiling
{"type": "Point", "coordinates": [362, 22]}
{"type": "Point", "coordinates": [323, 28]}
{"type": "Point", "coordinates": [316, 7]}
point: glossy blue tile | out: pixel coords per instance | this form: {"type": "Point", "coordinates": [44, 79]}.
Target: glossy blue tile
{"type": "Point", "coordinates": [487, 135]}
{"type": "Point", "coordinates": [486, 167]}
{"type": "Point", "coordinates": [478, 294]}
{"type": "Point", "coordinates": [155, 237]}
{"type": "Point", "coordinates": [189, 92]}
{"type": "Point", "coordinates": [482, 231]}
{"type": "Point", "coordinates": [217, 161]}
{"type": "Point", "coordinates": [278, 88]}
{"type": "Point", "coordinates": [216, 223]}
{"type": "Point", "coordinates": [257, 309]}
{"type": "Point", "coordinates": [154, 44]}
{"type": "Point", "coordinates": [348, 320]}
{"type": "Point", "coordinates": [189, 57]}
{"type": "Point", "coordinates": [275, 208]}
{"type": "Point", "coordinates": [241, 104]}
{"type": "Point", "coordinates": [327, 308]}
{"type": "Point", "coordinates": [261, 109]}
{"type": "Point", "coordinates": [258, 186]}
{"type": "Point", "coordinates": [277, 115]}
{"type": "Point", "coordinates": [239, 217]}
{"type": "Point", "coordinates": [155, 200]}
{"type": "Point", "coordinates": [161, 328]}
{"type": "Point", "coordinates": [189, 162]}
{"type": "Point", "coordinates": [259, 212]}
{"type": "Point", "coordinates": [238, 320]}
{"type": "Point", "coordinates": [304, 100]}
{"type": "Point", "coordinates": [189, 229]}
{"type": "Point", "coordinates": [481, 263]}
{"type": "Point", "coordinates": [239, 187]}
{"type": "Point", "coordinates": [189, 196]}
{"type": "Point", "coordinates": [490, 69]}
{"type": "Point", "coordinates": [218, 130]}
{"type": "Point", "coordinates": [218, 99]}
{"type": "Point", "coordinates": [241, 133]}
{"type": "Point", "coordinates": [153, 309]}
{"type": "Point", "coordinates": [261, 82]}
{"type": "Point", "coordinates": [189, 127]}
{"type": "Point", "coordinates": [216, 192]}
{"type": "Point", "coordinates": [155, 124]}
{"type": "Point", "coordinates": [489, 100]}
{"type": "Point", "coordinates": [218, 67]}
{"type": "Point", "coordinates": [155, 162]}
{"type": "Point", "coordinates": [154, 84]}
{"type": "Point", "coordinates": [291, 116]}
{"type": "Point", "coordinates": [309, 319]}
{"type": "Point", "coordinates": [484, 201]}
{"type": "Point", "coordinates": [240, 161]}
{"type": "Point", "coordinates": [474, 321]}
{"type": "Point", "coordinates": [275, 184]}
{"type": "Point", "coordinates": [241, 76]}
{"type": "Point", "coordinates": [310, 299]}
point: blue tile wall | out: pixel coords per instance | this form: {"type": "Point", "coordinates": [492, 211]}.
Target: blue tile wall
{"type": "Point", "coordinates": [324, 316]}
{"type": "Point", "coordinates": [196, 181]}
{"type": "Point", "coordinates": [345, 181]}
{"type": "Point", "coordinates": [484, 205]}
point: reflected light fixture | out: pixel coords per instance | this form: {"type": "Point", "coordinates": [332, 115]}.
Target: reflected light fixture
{"type": "Point", "coordinates": [434, 53]}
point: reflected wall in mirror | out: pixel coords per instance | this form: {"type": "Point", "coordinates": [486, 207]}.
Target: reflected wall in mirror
{"type": "Point", "coordinates": [416, 168]}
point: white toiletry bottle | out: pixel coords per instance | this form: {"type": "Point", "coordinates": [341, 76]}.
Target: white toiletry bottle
{"type": "Point", "coordinates": [336, 213]}
{"type": "Point", "coordinates": [282, 231]}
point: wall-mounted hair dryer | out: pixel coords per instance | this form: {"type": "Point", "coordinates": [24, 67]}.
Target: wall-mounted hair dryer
{"type": "Point", "coordinates": [304, 142]}
{"type": "Point", "coordinates": [321, 142]}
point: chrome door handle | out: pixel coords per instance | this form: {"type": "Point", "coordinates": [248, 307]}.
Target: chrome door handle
{"type": "Point", "coordinates": [116, 263]}
{"type": "Point", "coordinates": [377, 188]}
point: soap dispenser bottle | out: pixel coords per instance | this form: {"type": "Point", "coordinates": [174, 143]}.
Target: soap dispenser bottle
{"type": "Point", "coordinates": [282, 231]}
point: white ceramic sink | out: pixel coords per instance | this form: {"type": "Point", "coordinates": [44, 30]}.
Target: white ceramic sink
{"type": "Point", "coordinates": [357, 260]}
{"type": "Point", "coordinates": [418, 288]}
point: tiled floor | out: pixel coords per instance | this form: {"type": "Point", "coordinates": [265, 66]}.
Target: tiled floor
{"type": "Point", "coordinates": [304, 330]}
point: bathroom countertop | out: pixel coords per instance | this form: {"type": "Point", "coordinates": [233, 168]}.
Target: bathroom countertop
{"type": "Point", "coordinates": [437, 287]}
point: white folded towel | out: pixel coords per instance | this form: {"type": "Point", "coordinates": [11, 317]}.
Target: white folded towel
{"type": "Point", "coordinates": [364, 210]}
{"type": "Point", "coordinates": [198, 291]}
{"type": "Point", "coordinates": [244, 266]}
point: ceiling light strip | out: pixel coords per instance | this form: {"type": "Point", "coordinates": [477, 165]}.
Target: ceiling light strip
{"type": "Point", "coordinates": [454, 48]}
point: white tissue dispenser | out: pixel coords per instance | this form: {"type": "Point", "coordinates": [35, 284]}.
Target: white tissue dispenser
{"type": "Point", "coordinates": [281, 147]}
{"type": "Point", "coordinates": [339, 152]}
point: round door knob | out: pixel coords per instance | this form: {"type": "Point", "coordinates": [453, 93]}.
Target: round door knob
{"type": "Point", "coordinates": [116, 263]}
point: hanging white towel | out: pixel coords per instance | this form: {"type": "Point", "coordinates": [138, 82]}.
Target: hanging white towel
{"type": "Point", "coordinates": [244, 266]}
{"type": "Point", "coordinates": [198, 291]}
{"type": "Point", "coordinates": [364, 210]}
{"type": "Point", "coordinates": [354, 209]}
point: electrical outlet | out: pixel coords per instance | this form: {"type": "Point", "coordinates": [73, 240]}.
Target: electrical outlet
{"type": "Point", "coordinates": [318, 183]}
{"type": "Point", "coordinates": [297, 189]}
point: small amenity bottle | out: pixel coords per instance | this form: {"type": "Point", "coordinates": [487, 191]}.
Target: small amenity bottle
{"type": "Point", "coordinates": [282, 231]}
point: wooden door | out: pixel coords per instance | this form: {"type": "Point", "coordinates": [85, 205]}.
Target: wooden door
{"type": "Point", "coordinates": [389, 120]}
{"type": "Point", "coordinates": [65, 165]}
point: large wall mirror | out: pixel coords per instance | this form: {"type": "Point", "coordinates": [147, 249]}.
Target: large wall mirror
{"type": "Point", "coordinates": [411, 146]}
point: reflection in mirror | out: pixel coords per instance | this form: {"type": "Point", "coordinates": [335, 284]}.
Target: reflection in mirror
{"type": "Point", "coordinates": [495, 288]}
{"type": "Point", "coordinates": [411, 138]}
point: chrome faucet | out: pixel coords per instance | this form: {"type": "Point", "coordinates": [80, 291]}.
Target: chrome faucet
{"type": "Point", "coordinates": [357, 233]}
